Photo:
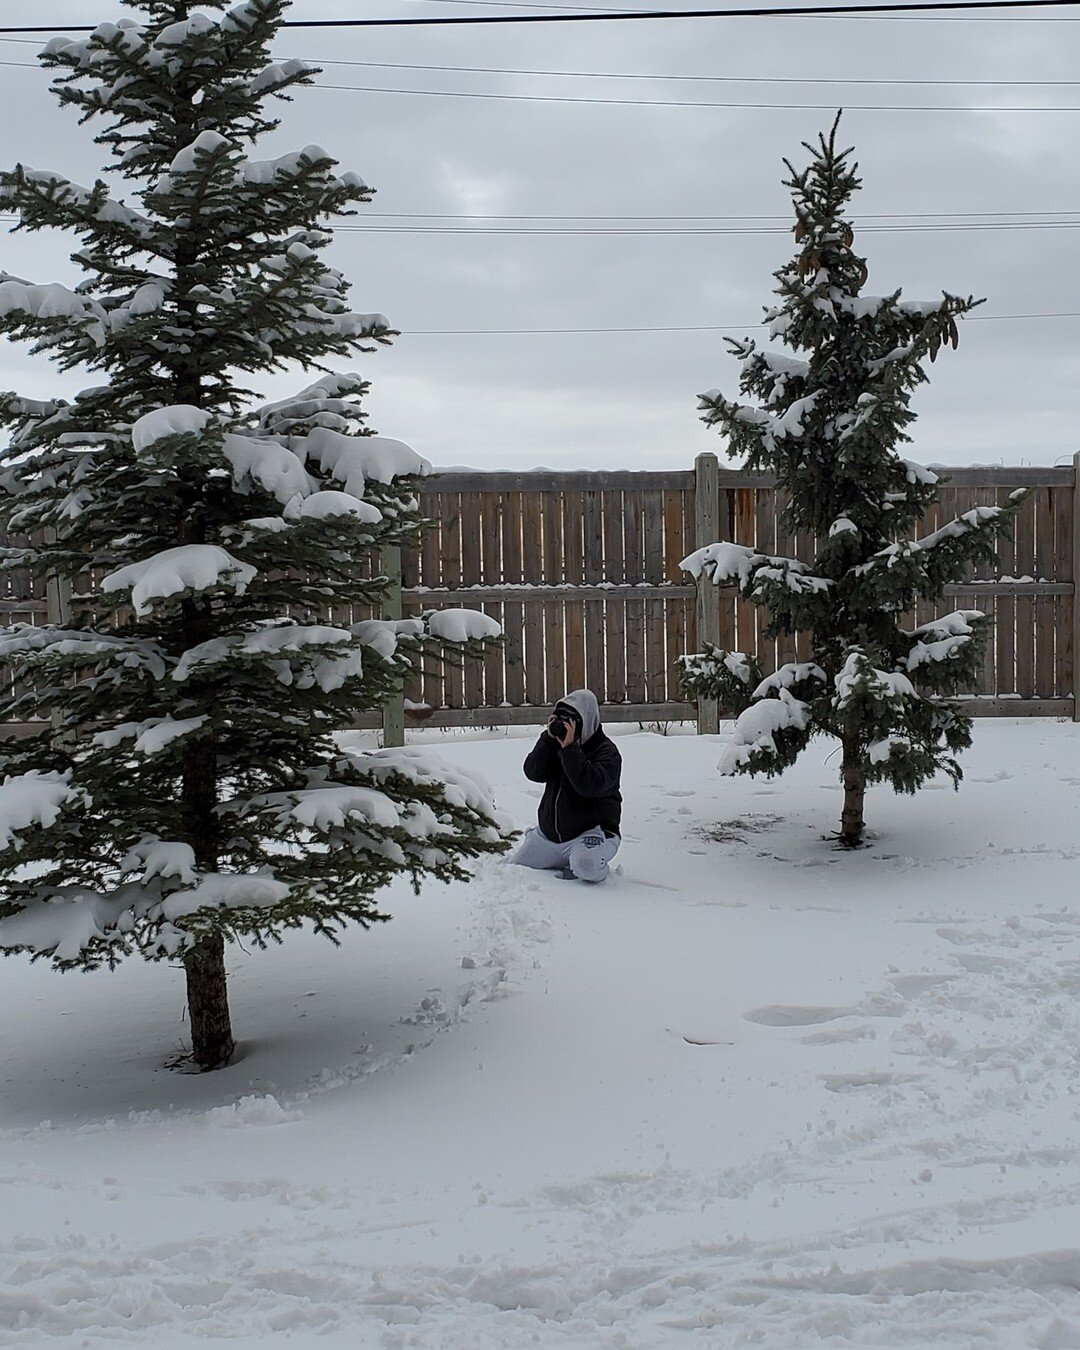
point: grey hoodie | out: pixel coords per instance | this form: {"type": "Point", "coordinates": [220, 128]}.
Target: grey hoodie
{"type": "Point", "coordinates": [583, 702]}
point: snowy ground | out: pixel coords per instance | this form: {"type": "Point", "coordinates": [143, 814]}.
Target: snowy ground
{"type": "Point", "coordinates": [750, 1092]}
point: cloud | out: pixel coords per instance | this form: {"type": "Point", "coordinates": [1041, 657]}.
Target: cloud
{"type": "Point", "coordinates": [613, 400]}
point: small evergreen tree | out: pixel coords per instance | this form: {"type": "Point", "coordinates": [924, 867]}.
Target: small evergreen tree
{"type": "Point", "coordinates": [186, 788]}
{"type": "Point", "coordinates": [829, 418]}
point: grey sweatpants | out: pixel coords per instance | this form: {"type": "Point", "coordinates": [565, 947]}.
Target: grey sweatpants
{"type": "Point", "coordinates": [587, 856]}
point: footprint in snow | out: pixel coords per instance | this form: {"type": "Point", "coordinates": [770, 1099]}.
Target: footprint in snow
{"type": "Point", "coordinates": [851, 1082]}
{"type": "Point", "coordinates": [781, 1015]}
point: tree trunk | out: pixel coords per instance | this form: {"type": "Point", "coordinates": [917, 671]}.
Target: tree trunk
{"type": "Point", "coordinates": [854, 780]}
{"type": "Point", "coordinates": [208, 1004]}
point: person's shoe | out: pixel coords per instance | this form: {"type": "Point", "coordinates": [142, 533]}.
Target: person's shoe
{"type": "Point", "coordinates": [565, 874]}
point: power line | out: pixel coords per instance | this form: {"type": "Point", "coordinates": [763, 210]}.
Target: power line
{"type": "Point", "coordinates": [674, 328]}
{"type": "Point", "coordinates": [932, 226]}
{"type": "Point", "coordinates": [696, 103]}
{"type": "Point", "coordinates": [763, 11]}
{"type": "Point", "coordinates": [692, 79]}
{"type": "Point", "coordinates": [679, 103]}
{"type": "Point", "coordinates": [525, 4]}
{"type": "Point", "coordinates": [886, 18]}
{"type": "Point", "coordinates": [896, 216]}
{"type": "Point", "coordinates": [694, 231]}
{"type": "Point", "coordinates": [943, 228]}
{"type": "Point", "coordinates": [659, 77]}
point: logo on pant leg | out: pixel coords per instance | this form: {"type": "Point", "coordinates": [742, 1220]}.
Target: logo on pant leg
{"type": "Point", "coordinates": [593, 840]}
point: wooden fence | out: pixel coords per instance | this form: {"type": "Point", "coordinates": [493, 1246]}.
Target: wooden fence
{"type": "Point", "coordinates": [582, 572]}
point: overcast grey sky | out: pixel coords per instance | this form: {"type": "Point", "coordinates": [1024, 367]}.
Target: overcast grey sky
{"type": "Point", "coordinates": [1011, 394]}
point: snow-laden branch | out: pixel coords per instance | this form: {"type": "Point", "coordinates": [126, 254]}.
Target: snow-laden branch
{"type": "Point", "coordinates": [303, 656]}
{"type": "Point", "coordinates": [189, 569]}
{"type": "Point", "coordinates": [34, 800]}
{"type": "Point", "coordinates": [912, 564]}
{"type": "Point", "coordinates": [756, 731]}
{"type": "Point", "coordinates": [149, 737]}
{"type": "Point", "coordinates": [76, 925]}
{"type": "Point", "coordinates": [39, 308]}
{"type": "Point", "coordinates": [858, 680]}
{"type": "Point", "coordinates": [943, 639]}
{"type": "Point", "coordinates": [768, 429]}
{"type": "Point", "coordinates": [795, 675]}
{"type": "Point", "coordinates": [332, 402]}
{"type": "Point", "coordinates": [353, 461]}
{"type": "Point", "coordinates": [28, 644]}
{"type": "Point", "coordinates": [179, 419]}
{"type": "Point", "coordinates": [463, 789]}
{"type": "Point", "coordinates": [42, 196]}
{"type": "Point", "coordinates": [726, 563]}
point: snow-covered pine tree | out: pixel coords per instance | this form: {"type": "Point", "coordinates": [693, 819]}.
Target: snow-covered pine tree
{"type": "Point", "coordinates": [830, 415]}
{"type": "Point", "coordinates": [186, 788]}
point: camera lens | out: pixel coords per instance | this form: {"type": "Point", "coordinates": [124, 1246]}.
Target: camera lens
{"type": "Point", "coordinates": [558, 728]}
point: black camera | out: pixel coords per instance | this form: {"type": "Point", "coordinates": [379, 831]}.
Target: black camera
{"type": "Point", "coordinates": [558, 728]}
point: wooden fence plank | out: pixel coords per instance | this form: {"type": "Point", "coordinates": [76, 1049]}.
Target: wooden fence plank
{"type": "Point", "coordinates": [633, 540]}
{"type": "Point", "coordinates": [573, 526]}
{"type": "Point", "coordinates": [554, 652]}
{"type": "Point", "coordinates": [592, 526]}
{"type": "Point", "coordinates": [1063, 632]}
{"type": "Point", "coordinates": [452, 558]}
{"type": "Point", "coordinates": [634, 572]}
{"type": "Point", "coordinates": [1044, 609]}
{"type": "Point", "coordinates": [1025, 605]}
{"type": "Point", "coordinates": [472, 572]}
{"type": "Point", "coordinates": [513, 610]}
{"type": "Point", "coordinates": [614, 614]}
{"type": "Point", "coordinates": [532, 550]}
{"type": "Point", "coordinates": [491, 564]}
{"type": "Point", "coordinates": [533, 643]}
{"type": "Point", "coordinates": [675, 549]}
{"type": "Point", "coordinates": [574, 620]}
{"type": "Point", "coordinates": [635, 650]}
{"type": "Point", "coordinates": [574, 574]}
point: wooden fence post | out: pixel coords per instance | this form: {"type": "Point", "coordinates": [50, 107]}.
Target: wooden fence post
{"type": "Point", "coordinates": [1075, 635]}
{"type": "Point", "coordinates": [706, 531]}
{"type": "Point", "coordinates": [394, 711]}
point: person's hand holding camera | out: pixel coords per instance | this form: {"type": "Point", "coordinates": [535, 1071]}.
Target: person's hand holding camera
{"type": "Point", "coordinates": [562, 729]}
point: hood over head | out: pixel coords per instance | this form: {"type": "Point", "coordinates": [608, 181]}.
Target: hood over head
{"type": "Point", "coordinates": [583, 702]}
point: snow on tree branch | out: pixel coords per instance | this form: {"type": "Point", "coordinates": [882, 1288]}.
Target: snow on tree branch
{"type": "Point", "coordinates": [763, 737]}
{"type": "Point", "coordinates": [34, 799]}
{"type": "Point", "coordinates": [43, 310]}
{"type": "Point", "coordinates": [724, 563]}
{"type": "Point", "coordinates": [944, 638]}
{"type": "Point", "coordinates": [191, 568]}
{"type": "Point", "coordinates": [799, 677]}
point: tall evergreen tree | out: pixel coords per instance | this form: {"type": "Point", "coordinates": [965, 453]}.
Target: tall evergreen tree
{"type": "Point", "coordinates": [186, 787]}
{"type": "Point", "coordinates": [830, 416]}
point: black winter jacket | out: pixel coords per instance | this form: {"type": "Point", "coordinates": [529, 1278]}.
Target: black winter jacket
{"type": "Point", "coordinates": [581, 786]}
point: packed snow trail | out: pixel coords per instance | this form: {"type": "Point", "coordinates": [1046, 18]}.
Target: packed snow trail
{"type": "Point", "coordinates": [750, 1091]}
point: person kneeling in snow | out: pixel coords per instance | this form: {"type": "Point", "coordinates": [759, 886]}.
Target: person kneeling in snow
{"type": "Point", "coordinates": [578, 820]}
